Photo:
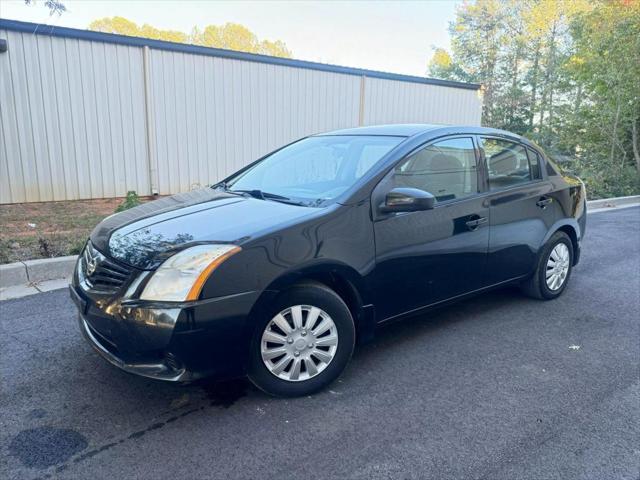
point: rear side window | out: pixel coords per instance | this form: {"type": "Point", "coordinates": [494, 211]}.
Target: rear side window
{"type": "Point", "coordinates": [534, 163]}
{"type": "Point", "coordinates": [446, 169]}
{"type": "Point", "coordinates": [507, 163]}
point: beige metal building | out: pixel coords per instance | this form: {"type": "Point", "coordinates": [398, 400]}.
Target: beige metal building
{"type": "Point", "coordinates": [91, 115]}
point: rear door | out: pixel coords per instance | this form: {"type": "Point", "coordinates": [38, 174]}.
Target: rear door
{"type": "Point", "coordinates": [521, 207]}
{"type": "Point", "coordinates": [428, 256]}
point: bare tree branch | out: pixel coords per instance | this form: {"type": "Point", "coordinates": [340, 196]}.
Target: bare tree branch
{"type": "Point", "coordinates": [54, 6]}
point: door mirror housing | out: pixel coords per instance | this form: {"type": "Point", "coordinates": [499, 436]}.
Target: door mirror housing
{"type": "Point", "coordinates": [407, 200]}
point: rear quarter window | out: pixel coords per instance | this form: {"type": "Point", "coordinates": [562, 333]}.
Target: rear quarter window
{"type": "Point", "coordinates": [535, 163]}
{"type": "Point", "coordinates": [552, 167]}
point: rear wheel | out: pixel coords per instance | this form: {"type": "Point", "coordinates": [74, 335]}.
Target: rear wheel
{"type": "Point", "coordinates": [553, 269]}
{"type": "Point", "coordinates": [303, 343]}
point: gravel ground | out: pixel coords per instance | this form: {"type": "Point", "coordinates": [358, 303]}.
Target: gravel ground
{"type": "Point", "coordinates": [496, 387]}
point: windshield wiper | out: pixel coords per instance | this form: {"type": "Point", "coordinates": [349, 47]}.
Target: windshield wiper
{"type": "Point", "coordinates": [221, 186]}
{"type": "Point", "coordinates": [259, 194]}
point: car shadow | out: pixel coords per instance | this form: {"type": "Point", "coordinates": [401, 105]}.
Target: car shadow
{"type": "Point", "coordinates": [423, 324]}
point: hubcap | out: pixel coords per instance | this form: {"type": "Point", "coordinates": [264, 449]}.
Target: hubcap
{"type": "Point", "coordinates": [557, 266]}
{"type": "Point", "coordinates": [299, 343]}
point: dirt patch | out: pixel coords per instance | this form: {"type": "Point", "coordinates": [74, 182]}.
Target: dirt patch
{"type": "Point", "coordinates": [50, 229]}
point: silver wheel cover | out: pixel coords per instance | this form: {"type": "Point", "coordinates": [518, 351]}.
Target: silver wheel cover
{"type": "Point", "coordinates": [557, 266]}
{"type": "Point", "coordinates": [299, 343]}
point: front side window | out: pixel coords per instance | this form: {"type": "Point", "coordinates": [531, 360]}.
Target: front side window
{"type": "Point", "coordinates": [507, 163]}
{"type": "Point", "coordinates": [316, 168]}
{"type": "Point", "coordinates": [446, 169]}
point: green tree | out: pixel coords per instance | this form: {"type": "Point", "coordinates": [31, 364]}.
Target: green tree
{"type": "Point", "coordinates": [231, 36]}
{"type": "Point", "coordinates": [123, 26]}
{"type": "Point", "coordinates": [442, 66]}
{"type": "Point", "coordinates": [564, 73]}
{"type": "Point", "coordinates": [477, 36]}
{"type": "Point", "coordinates": [606, 64]}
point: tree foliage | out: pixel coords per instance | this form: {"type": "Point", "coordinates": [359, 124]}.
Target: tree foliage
{"type": "Point", "coordinates": [564, 73]}
{"type": "Point", "coordinates": [231, 36]}
{"type": "Point", "coordinates": [54, 6]}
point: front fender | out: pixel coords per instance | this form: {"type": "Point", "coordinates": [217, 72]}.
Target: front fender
{"type": "Point", "coordinates": [320, 270]}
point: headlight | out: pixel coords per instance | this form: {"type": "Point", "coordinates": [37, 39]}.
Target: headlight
{"type": "Point", "coordinates": [182, 276]}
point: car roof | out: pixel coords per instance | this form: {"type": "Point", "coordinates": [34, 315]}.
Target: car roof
{"type": "Point", "coordinates": [397, 130]}
{"type": "Point", "coordinates": [414, 129]}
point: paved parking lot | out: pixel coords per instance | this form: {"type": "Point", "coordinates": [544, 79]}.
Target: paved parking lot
{"type": "Point", "coordinates": [497, 387]}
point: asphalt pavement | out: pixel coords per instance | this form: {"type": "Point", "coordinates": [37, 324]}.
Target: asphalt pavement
{"type": "Point", "coordinates": [497, 387]}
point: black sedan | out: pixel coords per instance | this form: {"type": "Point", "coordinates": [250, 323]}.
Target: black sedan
{"type": "Point", "coordinates": [279, 269]}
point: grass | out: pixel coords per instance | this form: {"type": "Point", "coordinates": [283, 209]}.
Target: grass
{"type": "Point", "coordinates": [49, 229]}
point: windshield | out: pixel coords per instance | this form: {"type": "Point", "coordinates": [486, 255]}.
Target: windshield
{"type": "Point", "coordinates": [314, 169]}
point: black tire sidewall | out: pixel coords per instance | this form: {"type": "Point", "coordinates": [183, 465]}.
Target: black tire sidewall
{"type": "Point", "coordinates": [328, 301]}
{"type": "Point", "coordinates": [557, 238]}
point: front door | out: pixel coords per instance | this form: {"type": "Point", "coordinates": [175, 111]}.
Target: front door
{"type": "Point", "coordinates": [521, 206]}
{"type": "Point", "coordinates": [428, 256]}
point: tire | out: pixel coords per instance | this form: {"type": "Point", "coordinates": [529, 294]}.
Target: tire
{"type": "Point", "coordinates": [537, 285]}
{"type": "Point", "coordinates": [310, 302]}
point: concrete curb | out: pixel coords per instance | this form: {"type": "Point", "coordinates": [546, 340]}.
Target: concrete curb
{"type": "Point", "coordinates": [613, 202]}
{"type": "Point", "coordinates": [34, 276]}
{"type": "Point", "coordinates": [50, 268]}
{"type": "Point", "coordinates": [33, 272]}
{"type": "Point", "coordinates": [13, 274]}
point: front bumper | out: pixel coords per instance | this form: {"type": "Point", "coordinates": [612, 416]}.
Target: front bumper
{"type": "Point", "coordinates": [159, 370]}
{"type": "Point", "coordinates": [176, 343]}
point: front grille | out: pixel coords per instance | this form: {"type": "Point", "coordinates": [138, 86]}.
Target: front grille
{"type": "Point", "coordinates": [102, 273]}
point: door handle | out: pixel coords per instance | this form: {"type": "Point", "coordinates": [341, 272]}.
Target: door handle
{"type": "Point", "coordinates": [543, 202]}
{"type": "Point", "coordinates": [475, 223]}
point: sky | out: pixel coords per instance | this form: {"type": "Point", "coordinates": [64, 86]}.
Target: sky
{"type": "Point", "coordinates": [391, 36]}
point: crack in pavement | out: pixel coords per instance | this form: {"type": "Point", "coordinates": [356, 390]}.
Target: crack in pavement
{"type": "Point", "coordinates": [216, 394]}
{"type": "Point", "coordinates": [107, 446]}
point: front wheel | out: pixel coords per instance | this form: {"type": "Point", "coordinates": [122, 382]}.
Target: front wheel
{"type": "Point", "coordinates": [553, 269]}
{"type": "Point", "coordinates": [303, 343]}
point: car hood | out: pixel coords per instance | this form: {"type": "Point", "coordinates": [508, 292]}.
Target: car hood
{"type": "Point", "coordinates": [146, 235]}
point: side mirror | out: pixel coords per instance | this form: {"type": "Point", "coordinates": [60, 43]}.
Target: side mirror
{"type": "Point", "coordinates": [407, 200]}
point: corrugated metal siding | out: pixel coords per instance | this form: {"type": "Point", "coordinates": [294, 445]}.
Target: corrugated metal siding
{"type": "Point", "coordinates": [215, 115]}
{"type": "Point", "coordinates": [389, 101]}
{"type": "Point", "coordinates": [73, 118]}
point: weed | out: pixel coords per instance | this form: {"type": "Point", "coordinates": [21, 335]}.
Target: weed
{"type": "Point", "coordinates": [130, 201]}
